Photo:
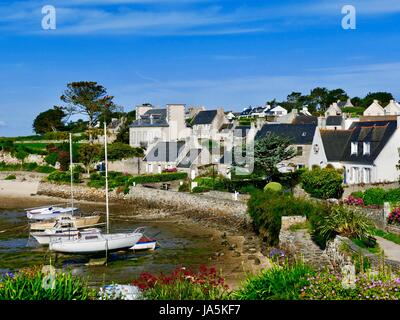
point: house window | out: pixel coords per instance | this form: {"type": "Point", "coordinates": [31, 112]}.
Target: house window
{"type": "Point", "coordinates": [367, 175]}
{"type": "Point", "coordinates": [299, 151]}
{"type": "Point", "coordinates": [354, 148]}
{"type": "Point", "coordinates": [367, 148]}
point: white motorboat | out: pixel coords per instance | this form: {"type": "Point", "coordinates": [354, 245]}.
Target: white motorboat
{"type": "Point", "coordinates": [79, 222]}
{"type": "Point", "coordinates": [48, 212]}
{"type": "Point", "coordinates": [98, 243]}
{"type": "Point", "coordinates": [49, 235]}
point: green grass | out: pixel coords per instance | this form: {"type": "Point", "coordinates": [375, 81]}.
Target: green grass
{"type": "Point", "coordinates": [301, 226]}
{"type": "Point", "coordinates": [386, 235]}
{"type": "Point", "coordinates": [374, 250]}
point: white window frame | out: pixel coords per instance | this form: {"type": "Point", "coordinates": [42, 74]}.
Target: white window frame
{"type": "Point", "coordinates": [354, 148]}
{"type": "Point", "coordinates": [367, 148]}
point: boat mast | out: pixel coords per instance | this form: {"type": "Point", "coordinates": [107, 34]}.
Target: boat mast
{"type": "Point", "coordinates": [71, 171]}
{"type": "Point", "coordinates": [106, 168]}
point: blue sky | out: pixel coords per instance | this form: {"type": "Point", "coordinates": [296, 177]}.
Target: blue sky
{"type": "Point", "coordinates": [226, 53]}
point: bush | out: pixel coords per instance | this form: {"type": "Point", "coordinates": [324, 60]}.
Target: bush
{"type": "Point", "coordinates": [11, 177]}
{"type": "Point", "coordinates": [45, 169]}
{"type": "Point", "coordinates": [273, 186]}
{"type": "Point", "coordinates": [217, 183]}
{"type": "Point", "coordinates": [51, 158]}
{"type": "Point", "coordinates": [393, 195]}
{"type": "Point", "coordinates": [28, 285]}
{"type": "Point", "coordinates": [374, 196]}
{"type": "Point", "coordinates": [183, 284]}
{"type": "Point", "coordinates": [200, 189]}
{"type": "Point", "coordinates": [394, 217]}
{"type": "Point", "coordinates": [266, 211]}
{"type": "Point", "coordinates": [277, 283]}
{"type": "Point", "coordinates": [118, 151]}
{"type": "Point", "coordinates": [31, 166]}
{"type": "Point", "coordinates": [248, 189]}
{"type": "Point", "coordinates": [56, 135]}
{"type": "Point", "coordinates": [323, 183]}
{"type": "Point", "coordinates": [346, 222]}
{"type": "Point", "coordinates": [358, 194]}
{"type": "Point", "coordinates": [64, 177]}
{"type": "Point", "coordinates": [184, 187]}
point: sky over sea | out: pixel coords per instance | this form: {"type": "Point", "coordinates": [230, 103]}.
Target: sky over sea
{"type": "Point", "coordinates": [224, 53]}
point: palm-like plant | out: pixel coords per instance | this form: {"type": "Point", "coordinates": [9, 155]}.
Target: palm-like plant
{"type": "Point", "coordinates": [347, 222]}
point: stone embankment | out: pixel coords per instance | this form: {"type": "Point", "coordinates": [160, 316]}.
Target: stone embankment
{"type": "Point", "coordinates": [210, 211]}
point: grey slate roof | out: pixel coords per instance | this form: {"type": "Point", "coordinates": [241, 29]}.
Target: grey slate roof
{"type": "Point", "coordinates": [159, 119]}
{"type": "Point", "coordinates": [377, 133]}
{"type": "Point", "coordinates": [335, 142]}
{"type": "Point", "coordinates": [303, 119]}
{"type": "Point", "coordinates": [165, 151]}
{"type": "Point", "coordinates": [190, 157]}
{"type": "Point", "coordinates": [334, 120]}
{"type": "Point", "coordinates": [204, 117]}
{"type": "Point", "coordinates": [299, 133]}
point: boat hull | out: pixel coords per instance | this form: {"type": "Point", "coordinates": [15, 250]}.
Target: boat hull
{"type": "Point", "coordinates": [80, 223]}
{"type": "Point", "coordinates": [95, 245]}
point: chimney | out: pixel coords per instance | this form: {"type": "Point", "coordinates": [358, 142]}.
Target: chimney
{"type": "Point", "coordinates": [151, 119]}
{"type": "Point", "coordinates": [322, 122]}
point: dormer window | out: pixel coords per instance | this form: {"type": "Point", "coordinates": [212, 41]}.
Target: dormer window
{"type": "Point", "coordinates": [354, 148]}
{"type": "Point", "coordinates": [367, 148]}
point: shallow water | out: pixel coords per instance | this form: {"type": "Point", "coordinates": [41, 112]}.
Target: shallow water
{"type": "Point", "coordinates": [180, 245]}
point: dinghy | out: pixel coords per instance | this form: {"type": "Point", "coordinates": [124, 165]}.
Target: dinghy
{"type": "Point", "coordinates": [98, 243]}
{"type": "Point", "coordinates": [145, 243]}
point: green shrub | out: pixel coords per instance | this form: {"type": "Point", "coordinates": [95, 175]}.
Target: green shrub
{"type": "Point", "coordinates": [358, 194]}
{"type": "Point", "coordinates": [56, 135]}
{"type": "Point", "coordinates": [393, 195]}
{"type": "Point", "coordinates": [45, 169]}
{"type": "Point", "coordinates": [277, 283]}
{"type": "Point", "coordinates": [64, 177]}
{"type": "Point", "coordinates": [30, 166]}
{"type": "Point", "coordinates": [51, 158]}
{"type": "Point", "coordinates": [266, 211]}
{"type": "Point", "coordinates": [374, 196]}
{"type": "Point", "coordinates": [323, 183]}
{"type": "Point", "coordinates": [348, 222]}
{"type": "Point", "coordinates": [11, 177]}
{"type": "Point", "coordinates": [28, 285]}
{"type": "Point", "coordinates": [119, 150]}
{"type": "Point", "coordinates": [216, 183]}
{"type": "Point", "coordinates": [184, 187]}
{"type": "Point", "coordinates": [273, 186]}
{"type": "Point", "coordinates": [199, 189]}
{"type": "Point", "coordinates": [248, 189]}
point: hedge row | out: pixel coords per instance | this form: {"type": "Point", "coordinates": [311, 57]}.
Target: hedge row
{"type": "Point", "coordinates": [30, 166]}
{"type": "Point", "coordinates": [378, 196]}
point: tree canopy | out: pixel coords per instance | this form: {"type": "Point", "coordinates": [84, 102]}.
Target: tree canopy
{"type": "Point", "coordinates": [271, 150]}
{"type": "Point", "coordinates": [89, 99]}
{"type": "Point", "coordinates": [50, 120]}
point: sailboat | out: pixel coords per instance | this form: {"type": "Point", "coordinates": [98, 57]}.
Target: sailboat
{"type": "Point", "coordinates": [98, 242]}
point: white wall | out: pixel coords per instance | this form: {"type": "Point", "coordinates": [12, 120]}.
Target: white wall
{"type": "Point", "coordinates": [388, 159]}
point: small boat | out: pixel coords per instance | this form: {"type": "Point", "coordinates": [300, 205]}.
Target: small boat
{"type": "Point", "coordinates": [79, 222]}
{"type": "Point", "coordinates": [145, 243]}
{"type": "Point", "coordinates": [48, 212]}
{"type": "Point", "coordinates": [45, 237]}
{"type": "Point", "coordinates": [96, 243]}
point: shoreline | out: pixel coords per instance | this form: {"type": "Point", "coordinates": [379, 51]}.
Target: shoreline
{"type": "Point", "coordinates": [241, 248]}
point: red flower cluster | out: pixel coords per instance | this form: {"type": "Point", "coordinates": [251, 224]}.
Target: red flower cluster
{"type": "Point", "coordinates": [353, 201]}
{"type": "Point", "coordinates": [206, 277]}
{"type": "Point", "coordinates": [394, 217]}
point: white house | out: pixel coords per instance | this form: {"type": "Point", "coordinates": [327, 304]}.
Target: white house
{"type": "Point", "coordinates": [375, 109]}
{"type": "Point", "coordinates": [155, 124]}
{"type": "Point", "coordinates": [368, 152]}
{"type": "Point", "coordinates": [278, 111]}
{"type": "Point", "coordinates": [333, 110]}
{"type": "Point", "coordinates": [393, 108]}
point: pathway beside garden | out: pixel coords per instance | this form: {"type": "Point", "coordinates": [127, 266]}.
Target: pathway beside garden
{"type": "Point", "coordinates": [391, 249]}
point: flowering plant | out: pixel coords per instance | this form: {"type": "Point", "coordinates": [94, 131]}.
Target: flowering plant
{"type": "Point", "coordinates": [183, 284]}
{"type": "Point", "coordinates": [394, 217]}
{"type": "Point", "coordinates": [353, 201]}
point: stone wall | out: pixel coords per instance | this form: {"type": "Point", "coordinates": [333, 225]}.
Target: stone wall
{"type": "Point", "coordinates": [9, 159]}
{"type": "Point", "coordinates": [353, 188]}
{"type": "Point", "coordinates": [338, 255]}
{"type": "Point", "coordinates": [196, 206]}
{"type": "Point", "coordinates": [131, 166]}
